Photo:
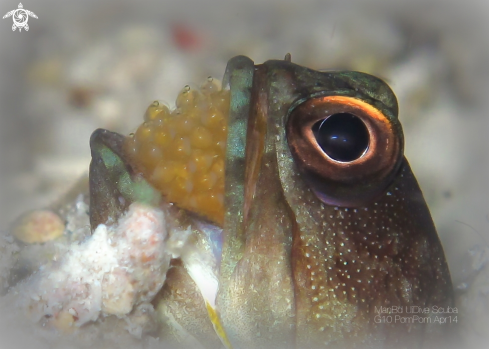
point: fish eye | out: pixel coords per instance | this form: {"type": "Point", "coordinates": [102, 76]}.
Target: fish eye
{"type": "Point", "coordinates": [347, 149]}
{"type": "Point", "coordinates": [343, 136]}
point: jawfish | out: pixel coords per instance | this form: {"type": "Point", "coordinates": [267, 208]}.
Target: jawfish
{"type": "Point", "coordinates": [307, 226]}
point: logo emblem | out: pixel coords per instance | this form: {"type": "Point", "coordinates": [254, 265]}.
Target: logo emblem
{"type": "Point", "coordinates": [20, 17]}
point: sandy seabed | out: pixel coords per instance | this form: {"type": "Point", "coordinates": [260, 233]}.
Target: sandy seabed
{"type": "Point", "coordinates": [97, 64]}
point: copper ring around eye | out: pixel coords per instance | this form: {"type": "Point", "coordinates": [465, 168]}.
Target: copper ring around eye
{"type": "Point", "coordinates": [348, 183]}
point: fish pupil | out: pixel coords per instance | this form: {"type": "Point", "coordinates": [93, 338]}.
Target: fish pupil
{"type": "Point", "coordinates": [343, 136]}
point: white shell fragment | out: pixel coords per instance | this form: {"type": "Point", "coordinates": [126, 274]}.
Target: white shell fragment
{"type": "Point", "coordinates": [111, 272]}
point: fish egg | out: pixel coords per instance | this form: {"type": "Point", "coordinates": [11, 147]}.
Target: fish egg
{"type": "Point", "coordinates": [181, 152]}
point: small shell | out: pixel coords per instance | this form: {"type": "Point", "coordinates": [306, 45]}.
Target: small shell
{"type": "Point", "coordinates": [38, 226]}
{"type": "Point", "coordinates": [118, 293]}
{"type": "Point", "coordinates": [63, 321]}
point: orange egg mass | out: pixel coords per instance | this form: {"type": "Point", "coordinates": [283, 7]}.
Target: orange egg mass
{"type": "Point", "coordinates": [181, 152]}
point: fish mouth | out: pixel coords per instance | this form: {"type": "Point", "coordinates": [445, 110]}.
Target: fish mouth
{"type": "Point", "coordinates": [199, 248]}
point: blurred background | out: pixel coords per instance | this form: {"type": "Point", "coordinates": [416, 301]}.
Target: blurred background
{"type": "Point", "coordinates": [90, 64]}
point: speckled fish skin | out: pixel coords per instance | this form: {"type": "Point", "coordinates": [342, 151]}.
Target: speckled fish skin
{"type": "Point", "coordinates": [297, 273]}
